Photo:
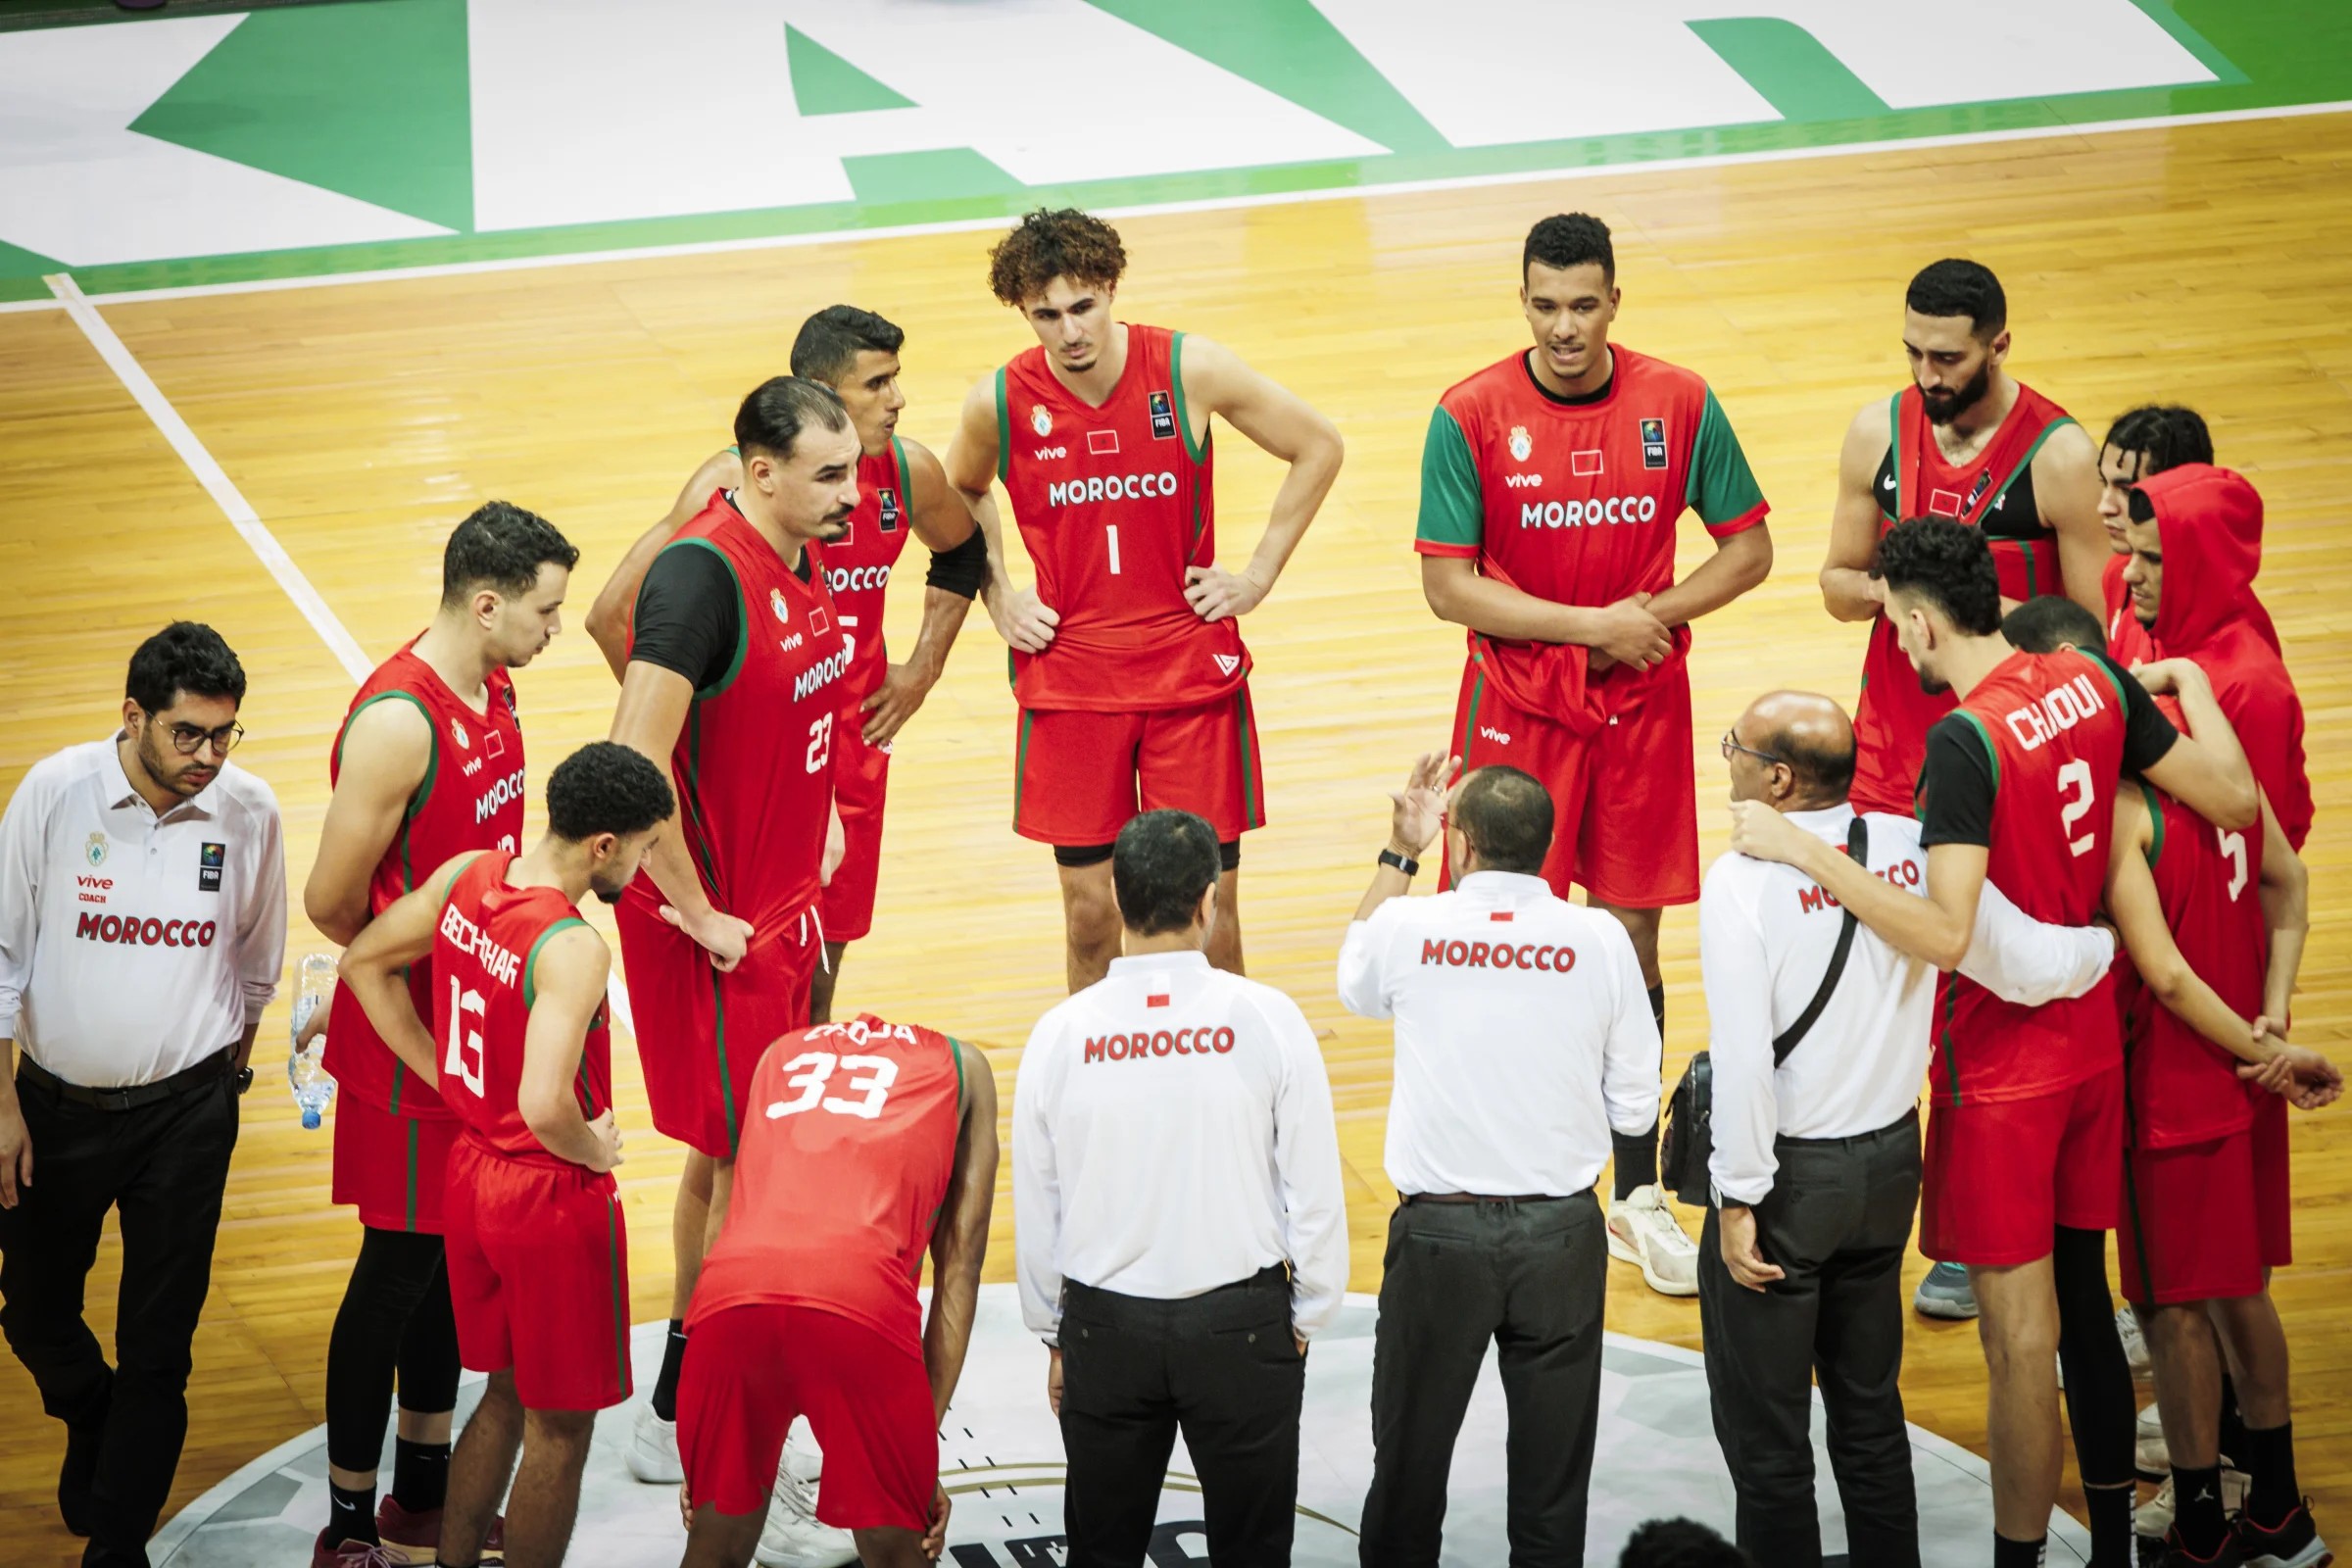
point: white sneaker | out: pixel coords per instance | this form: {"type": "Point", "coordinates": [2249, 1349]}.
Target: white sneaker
{"type": "Point", "coordinates": [1644, 1229]}
{"type": "Point", "coordinates": [2151, 1519]}
{"type": "Point", "coordinates": [2150, 1457]}
{"type": "Point", "coordinates": [653, 1449]}
{"type": "Point", "coordinates": [792, 1538]}
{"type": "Point", "coordinates": [2136, 1343]}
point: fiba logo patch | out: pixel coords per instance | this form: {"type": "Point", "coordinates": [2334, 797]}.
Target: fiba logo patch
{"type": "Point", "coordinates": [95, 851]}
{"type": "Point", "coordinates": [1163, 417]}
{"type": "Point", "coordinates": [1519, 444]}
{"type": "Point", "coordinates": [1654, 443]}
{"type": "Point", "coordinates": [889, 500]}
{"type": "Point", "coordinates": [1040, 421]}
{"type": "Point", "coordinates": [457, 732]}
{"type": "Point", "coordinates": [775, 602]}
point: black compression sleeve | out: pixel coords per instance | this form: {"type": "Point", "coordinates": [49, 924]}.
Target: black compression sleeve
{"type": "Point", "coordinates": [1955, 786]}
{"type": "Point", "coordinates": [963, 570]}
{"type": "Point", "coordinates": [688, 618]}
{"type": "Point", "coordinates": [2147, 733]}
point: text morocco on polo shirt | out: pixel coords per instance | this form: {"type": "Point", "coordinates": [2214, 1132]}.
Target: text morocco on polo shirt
{"type": "Point", "coordinates": [1536, 956]}
{"type": "Point", "coordinates": [1201, 1041]}
{"type": "Point", "coordinates": [1903, 874]}
{"type": "Point", "coordinates": [130, 930]}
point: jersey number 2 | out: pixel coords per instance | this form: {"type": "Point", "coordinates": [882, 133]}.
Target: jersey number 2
{"type": "Point", "coordinates": [2233, 846]}
{"type": "Point", "coordinates": [812, 1071]}
{"type": "Point", "coordinates": [2074, 776]}
{"type": "Point", "coordinates": [464, 1059]}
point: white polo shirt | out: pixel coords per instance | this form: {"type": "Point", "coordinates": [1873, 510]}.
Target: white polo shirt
{"type": "Point", "coordinates": [133, 946]}
{"type": "Point", "coordinates": [1172, 1133]}
{"type": "Point", "coordinates": [1524, 1036]}
{"type": "Point", "coordinates": [1766, 933]}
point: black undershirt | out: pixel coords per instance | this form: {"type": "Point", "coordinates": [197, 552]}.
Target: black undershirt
{"type": "Point", "coordinates": [689, 614]}
{"type": "Point", "coordinates": [1566, 400]}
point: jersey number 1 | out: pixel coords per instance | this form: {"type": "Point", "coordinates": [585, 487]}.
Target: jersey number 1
{"type": "Point", "coordinates": [2074, 776]}
{"type": "Point", "coordinates": [1110, 531]}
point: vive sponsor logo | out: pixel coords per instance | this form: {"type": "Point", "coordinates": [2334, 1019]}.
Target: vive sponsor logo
{"type": "Point", "coordinates": [1524, 481]}
{"type": "Point", "coordinates": [1486, 732]}
{"type": "Point", "coordinates": [1049, 454]}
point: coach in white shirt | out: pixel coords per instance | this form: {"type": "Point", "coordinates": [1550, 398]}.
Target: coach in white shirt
{"type": "Point", "coordinates": [1524, 1037]}
{"type": "Point", "coordinates": [1816, 1158]}
{"type": "Point", "coordinates": [1180, 1227]}
{"type": "Point", "coordinates": [142, 928]}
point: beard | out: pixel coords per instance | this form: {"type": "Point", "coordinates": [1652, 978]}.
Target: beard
{"type": "Point", "coordinates": [606, 895]}
{"type": "Point", "coordinates": [169, 769]}
{"type": "Point", "coordinates": [1933, 685]}
{"type": "Point", "coordinates": [1945, 406]}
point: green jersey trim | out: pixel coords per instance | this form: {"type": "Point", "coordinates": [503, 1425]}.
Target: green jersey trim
{"type": "Point", "coordinates": [530, 960]}
{"type": "Point", "coordinates": [1992, 752]}
{"type": "Point", "coordinates": [1453, 507]}
{"type": "Point", "coordinates": [743, 615]}
{"type": "Point", "coordinates": [1197, 452]}
{"type": "Point", "coordinates": [1722, 488]}
{"type": "Point", "coordinates": [1003, 432]}
{"type": "Point", "coordinates": [2155, 849]}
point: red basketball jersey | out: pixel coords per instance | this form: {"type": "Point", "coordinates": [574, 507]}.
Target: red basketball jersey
{"type": "Point", "coordinates": [858, 567]}
{"type": "Point", "coordinates": [470, 798]}
{"type": "Point", "coordinates": [483, 953]}
{"type": "Point", "coordinates": [2183, 1088]}
{"type": "Point", "coordinates": [1893, 714]}
{"type": "Point", "coordinates": [754, 763]}
{"type": "Point", "coordinates": [847, 1146]}
{"type": "Point", "coordinates": [1115, 504]}
{"type": "Point", "coordinates": [2053, 728]}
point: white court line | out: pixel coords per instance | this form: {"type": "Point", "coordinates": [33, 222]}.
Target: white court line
{"type": "Point", "coordinates": [239, 511]}
{"type": "Point", "coordinates": [719, 247]}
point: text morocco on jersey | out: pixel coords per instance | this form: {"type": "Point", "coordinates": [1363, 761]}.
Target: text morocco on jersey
{"type": "Point", "coordinates": [486, 949]}
{"type": "Point", "coordinates": [1576, 502]}
{"type": "Point", "coordinates": [848, 1148]}
{"type": "Point", "coordinates": [1115, 504]}
{"type": "Point", "coordinates": [470, 798]}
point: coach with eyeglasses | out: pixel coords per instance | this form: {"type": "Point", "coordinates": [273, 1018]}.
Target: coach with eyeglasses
{"type": "Point", "coordinates": [142, 930]}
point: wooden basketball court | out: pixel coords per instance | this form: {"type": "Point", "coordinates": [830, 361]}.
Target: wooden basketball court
{"type": "Point", "coordinates": [2202, 264]}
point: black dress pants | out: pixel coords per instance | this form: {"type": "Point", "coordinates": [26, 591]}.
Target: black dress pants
{"type": "Point", "coordinates": [164, 1167]}
{"type": "Point", "coordinates": [1531, 1275]}
{"type": "Point", "coordinates": [1225, 1369]}
{"type": "Point", "coordinates": [1837, 1221]}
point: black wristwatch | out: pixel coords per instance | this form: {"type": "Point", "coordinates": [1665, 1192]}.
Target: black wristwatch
{"type": "Point", "coordinates": [1405, 863]}
{"type": "Point", "coordinates": [242, 1079]}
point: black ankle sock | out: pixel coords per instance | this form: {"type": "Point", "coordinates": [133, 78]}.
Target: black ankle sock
{"type": "Point", "coordinates": [2007, 1554]}
{"type": "Point", "coordinates": [2111, 1545]}
{"type": "Point", "coordinates": [74, 1476]}
{"type": "Point", "coordinates": [2233, 1425]}
{"type": "Point", "coordinates": [2271, 1490]}
{"type": "Point", "coordinates": [419, 1473]}
{"type": "Point", "coordinates": [2197, 1508]}
{"type": "Point", "coordinates": [673, 1356]}
{"type": "Point", "coordinates": [350, 1514]}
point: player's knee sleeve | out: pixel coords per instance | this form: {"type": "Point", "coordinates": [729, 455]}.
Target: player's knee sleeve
{"type": "Point", "coordinates": [1077, 856]}
{"type": "Point", "coordinates": [429, 1352]}
{"type": "Point", "coordinates": [2098, 1379]}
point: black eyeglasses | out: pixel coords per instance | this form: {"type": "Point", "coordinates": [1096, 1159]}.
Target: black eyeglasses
{"type": "Point", "coordinates": [1731, 744]}
{"type": "Point", "coordinates": [186, 738]}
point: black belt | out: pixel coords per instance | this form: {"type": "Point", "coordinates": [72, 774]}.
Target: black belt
{"type": "Point", "coordinates": [134, 1095]}
{"type": "Point", "coordinates": [1487, 1198]}
{"type": "Point", "coordinates": [1903, 1123]}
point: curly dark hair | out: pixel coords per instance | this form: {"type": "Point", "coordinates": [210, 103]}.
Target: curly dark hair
{"type": "Point", "coordinates": [605, 787]}
{"type": "Point", "coordinates": [502, 545]}
{"type": "Point", "coordinates": [1047, 244]}
{"type": "Point", "coordinates": [1949, 564]}
{"type": "Point", "coordinates": [2165, 435]}
{"type": "Point", "coordinates": [188, 656]}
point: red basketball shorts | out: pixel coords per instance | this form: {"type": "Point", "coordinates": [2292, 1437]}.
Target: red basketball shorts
{"type": "Point", "coordinates": [1081, 777]}
{"type": "Point", "coordinates": [861, 781]}
{"type": "Point", "coordinates": [2194, 1223]}
{"type": "Point", "coordinates": [751, 1369]}
{"type": "Point", "coordinates": [2274, 1199]}
{"type": "Point", "coordinates": [539, 1277]}
{"type": "Point", "coordinates": [701, 1033]}
{"type": "Point", "coordinates": [1623, 799]}
{"type": "Point", "coordinates": [391, 1166]}
{"type": "Point", "coordinates": [2001, 1176]}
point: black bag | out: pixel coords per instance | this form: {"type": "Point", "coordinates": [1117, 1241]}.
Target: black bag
{"type": "Point", "coordinates": [1687, 1142]}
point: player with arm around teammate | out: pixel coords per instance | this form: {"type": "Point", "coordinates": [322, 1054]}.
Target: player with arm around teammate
{"type": "Point", "coordinates": [521, 1050]}
{"type": "Point", "coordinates": [1127, 657]}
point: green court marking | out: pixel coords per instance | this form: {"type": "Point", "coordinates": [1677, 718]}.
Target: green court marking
{"type": "Point", "coordinates": [824, 84]}
{"type": "Point", "coordinates": [931, 188]}
{"type": "Point", "coordinates": [1796, 74]}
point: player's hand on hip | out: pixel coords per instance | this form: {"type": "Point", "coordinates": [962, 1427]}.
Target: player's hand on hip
{"type": "Point", "coordinates": [1053, 1381]}
{"type": "Point", "coordinates": [1022, 620]}
{"type": "Point", "coordinates": [1629, 634]}
{"type": "Point", "coordinates": [1420, 806]}
{"type": "Point", "coordinates": [1764, 834]}
{"type": "Point", "coordinates": [893, 702]}
{"type": "Point", "coordinates": [1216, 594]}
{"type": "Point", "coordinates": [721, 935]}
{"type": "Point", "coordinates": [935, 1539]}
{"type": "Point", "coordinates": [15, 1153]}
{"type": "Point", "coordinates": [608, 1143]}
{"type": "Point", "coordinates": [1741, 1254]}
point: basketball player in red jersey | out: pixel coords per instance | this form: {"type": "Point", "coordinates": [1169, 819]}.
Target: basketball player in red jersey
{"type": "Point", "coordinates": [869, 1144]}
{"type": "Point", "coordinates": [429, 764]}
{"type": "Point", "coordinates": [2214, 924]}
{"type": "Point", "coordinates": [1551, 483]}
{"type": "Point", "coordinates": [901, 490]}
{"type": "Point", "coordinates": [1127, 658]}
{"type": "Point", "coordinates": [1968, 441]}
{"type": "Point", "coordinates": [2024, 1151]}
{"type": "Point", "coordinates": [520, 1052]}
{"type": "Point", "coordinates": [736, 662]}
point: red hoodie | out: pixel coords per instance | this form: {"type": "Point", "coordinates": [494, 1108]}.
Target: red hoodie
{"type": "Point", "coordinates": [2209, 522]}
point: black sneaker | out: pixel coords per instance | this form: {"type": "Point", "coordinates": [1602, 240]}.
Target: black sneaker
{"type": "Point", "coordinates": [74, 1476]}
{"type": "Point", "coordinates": [2293, 1542]}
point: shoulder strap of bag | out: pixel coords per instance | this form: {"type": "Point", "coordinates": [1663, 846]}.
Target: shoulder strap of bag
{"type": "Point", "coordinates": [1857, 849]}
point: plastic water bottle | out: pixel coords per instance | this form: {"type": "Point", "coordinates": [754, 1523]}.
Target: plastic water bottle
{"type": "Point", "coordinates": [306, 1067]}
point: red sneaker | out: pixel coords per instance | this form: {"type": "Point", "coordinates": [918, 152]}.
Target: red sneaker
{"type": "Point", "coordinates": [355, 1554]}
{"type": "Point", "coordinates": [415, 1539]}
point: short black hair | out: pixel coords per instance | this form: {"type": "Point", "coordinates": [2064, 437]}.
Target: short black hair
{"type": "Point", "coordinates": [2041, 623]}
{"type": "Point", "coordinates": [1950, 564]}
{"type": "Point", "coordinates": [1957, 287]}
{"type": "Point", "coordinates": [1506, 816]}
{"type": "Point", "coordinates": [504, 546]}
{"type": "Point", "coordinates": [1681, 1543]}
{"type": "Point", "coordinates": [1569, 239]}
{"type": "Point", "coordinates": [780, 408]}
{"type": "Point", "coordinates": [188, 656]}
{"type": "Point", "coordinates": [2165, 435]}
{"type": "Point", "coordinates": [605, 787]}
{"type": "Point", "coordinates": [1160, 865]}
{"type": "Point", "coordinates": [831, 340]}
